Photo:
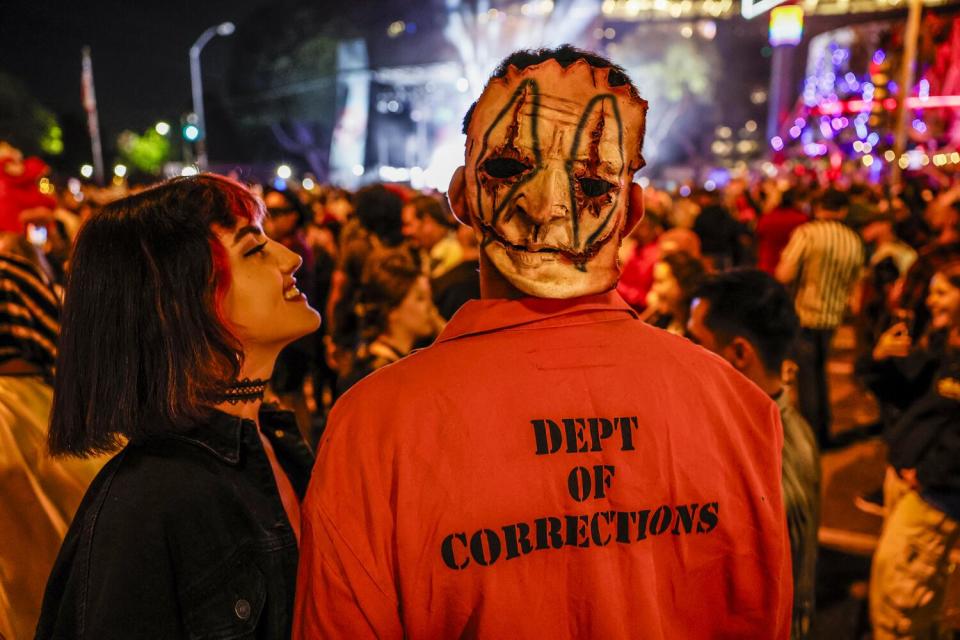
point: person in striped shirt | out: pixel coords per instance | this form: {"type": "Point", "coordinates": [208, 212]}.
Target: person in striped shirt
{"type": "Point", "coordinates": [821, 263]}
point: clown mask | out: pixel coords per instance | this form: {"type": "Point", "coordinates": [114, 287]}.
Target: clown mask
{"type": "Point", "coordinates": [547, 185]}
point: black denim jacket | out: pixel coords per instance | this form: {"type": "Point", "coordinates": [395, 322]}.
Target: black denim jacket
{"type": "Point", "coordinates": [926, 434]}
{"type": "Point", "coordinates": [183, 536]}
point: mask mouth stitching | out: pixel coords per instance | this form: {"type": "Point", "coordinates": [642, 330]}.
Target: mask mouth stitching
{"type": "Point", "coordinates": [576, 257]}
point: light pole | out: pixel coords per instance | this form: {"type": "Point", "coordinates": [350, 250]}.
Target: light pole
{"type": "Point", "coordinates": [910, 38]}
{"type": "Point", "coordinates": [196, 85]}
{"type": "Point", "coordinates": [786, 32]}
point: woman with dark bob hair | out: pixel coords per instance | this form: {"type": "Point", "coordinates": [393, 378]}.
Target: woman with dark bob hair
{"type": "Point", "coordinates": [676, 275]}
{"type": "Point", "coordinates": [395, 310]}
{"type": "Point", "coordinates": [176, 307]}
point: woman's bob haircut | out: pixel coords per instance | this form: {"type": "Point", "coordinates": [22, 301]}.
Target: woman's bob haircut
{"type": "Point", "coordinates": [143, 347]}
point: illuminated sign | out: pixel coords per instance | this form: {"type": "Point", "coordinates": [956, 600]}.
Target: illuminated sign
{"type": "Point", "coordinates": [855, 106]}
{"type": "Point", "coordinates": [786, 26]}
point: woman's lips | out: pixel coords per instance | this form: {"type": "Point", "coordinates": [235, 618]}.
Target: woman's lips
{"type": "Point", "coordinates": [292, 294]}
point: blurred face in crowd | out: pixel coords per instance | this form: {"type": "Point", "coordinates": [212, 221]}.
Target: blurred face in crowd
{"type": "Point", "coordinates": [940, 218]}
{"type": "Point", "coordinates": [876, 231]}
{"type": "Point", "coordinates": [943, 301]}
{"type": "Point", "coordinates": [263, 307]}
{"type": "Point", "coordinates": [676, 240]}
{"type": "Point", "coordinates": [281, 220]}
{"type": "Point", "coordinates": [420, 232]}
{"type": "Point", "coordinates": [339, 207]}
{"type": "Point", "coordinates": [11, 159]}
{"type": "Point", "coordinates": [736, 188]}
{"type": "Point", "coordinates": [697, 327]}
{"type": "Point", "coordinates": [704, 198]}
{"type": "Point", "coordinates": [646, 231]}
{"type": "Point", "coordinates": [410, 226]}
{"type": "Point", "coordinates": [666, 288]}
{"type": "Point", "coordinates": [431, 232]}
{"type": "Point", "coordinates": [547, 185]}
{"type": "Point", "coordinates": [414, 314]}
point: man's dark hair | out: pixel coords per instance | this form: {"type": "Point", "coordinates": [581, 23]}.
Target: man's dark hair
{"type": "Point", "coordinates": [144, 347]}
{"type": "Point", "coordinates": [751, 304]}
{"type": "Point", "coordinates": [379, 211]}
{"type": "Point", "coordinates": [430, 206]}
{"type": "Point", "coordinates": [834, 200]}
{"type": "Point", "coordinates": [565, 55]}
{"type": "Point", "coordinates": [789, 198]}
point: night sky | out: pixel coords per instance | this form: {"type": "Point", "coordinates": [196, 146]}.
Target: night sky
{"type": "Point", "coordinates": [139, 51]}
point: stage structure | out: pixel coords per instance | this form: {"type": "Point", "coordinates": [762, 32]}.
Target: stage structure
{"type": "Point", "coordinates": [673, 49]}
{"type": "Point", "coordinates": [849, 105]}
{"type": "Point", "coordinates": [348, 145]}
{"type": "Point", "coordinates": [415, 111]}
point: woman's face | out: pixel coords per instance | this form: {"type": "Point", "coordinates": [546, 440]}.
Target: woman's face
{"type": "Point", "coordinates": [943, 301]}
{"type": "Point", "coordinates": [339, 208]}
{"type": "Point", "coordinates": [263, 307]}
{"type": "Point", "coordinates": [666, 287]}
{"type": "Point", "coordinates": [411, 225]}
{"type": "Point", "coordinates": [282, 220]}
{"type": "Point", "coordinates": [414, 314]}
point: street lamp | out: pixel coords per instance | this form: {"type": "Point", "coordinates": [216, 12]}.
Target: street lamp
{"type": "Point", "coordinates": [196, 85]}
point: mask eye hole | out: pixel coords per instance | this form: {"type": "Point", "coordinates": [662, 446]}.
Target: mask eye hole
{"type": "Point", "coordinates": [592, 187]}
{"type": "Point", "coordinates": [504, 168]}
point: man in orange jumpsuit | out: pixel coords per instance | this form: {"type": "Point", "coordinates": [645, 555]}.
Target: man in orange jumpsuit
{"type": "Point", "coordinates": [551, 467]}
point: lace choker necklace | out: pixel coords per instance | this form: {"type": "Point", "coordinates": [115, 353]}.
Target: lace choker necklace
{"type": "Point", "coordinates": [245, 390]}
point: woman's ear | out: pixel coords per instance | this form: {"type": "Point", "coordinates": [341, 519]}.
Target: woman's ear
{"type": "Point", "coordinates": [457, 197]}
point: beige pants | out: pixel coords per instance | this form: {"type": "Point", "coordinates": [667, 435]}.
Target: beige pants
{"type": "Point", "coordinates": [911, 565]}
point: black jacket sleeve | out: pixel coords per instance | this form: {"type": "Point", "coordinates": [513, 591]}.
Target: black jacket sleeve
{"type": "Point", "coordinates": [898, 381]}
{"type": "Point", "coordinates": [113, 577]}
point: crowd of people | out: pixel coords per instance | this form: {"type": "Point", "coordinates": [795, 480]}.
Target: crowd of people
{"type": "Point", "coordinates": [761, 271]}
{"type": "Point", "coordinates": [885, 260]}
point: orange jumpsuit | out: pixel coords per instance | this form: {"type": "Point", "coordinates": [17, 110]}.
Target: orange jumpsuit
{"type": "Point", "coordinates": [548, 468]}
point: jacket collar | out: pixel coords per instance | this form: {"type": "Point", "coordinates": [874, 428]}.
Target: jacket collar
{"type": "Point", "coordinates": [222, 434]}
{"type": "Point", "coordinates": [492, 314]}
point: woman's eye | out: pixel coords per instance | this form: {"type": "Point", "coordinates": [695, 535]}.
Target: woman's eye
{"type": "Point", "coordinates": [593, 187]}
{"type": "Point", "coordinates": [257, 249]}
{"type": "Point", "coordinates": [503, 168]}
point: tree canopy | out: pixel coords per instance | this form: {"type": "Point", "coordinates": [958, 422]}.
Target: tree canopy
{"type": "Point", "coordinates": [25, 123]}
